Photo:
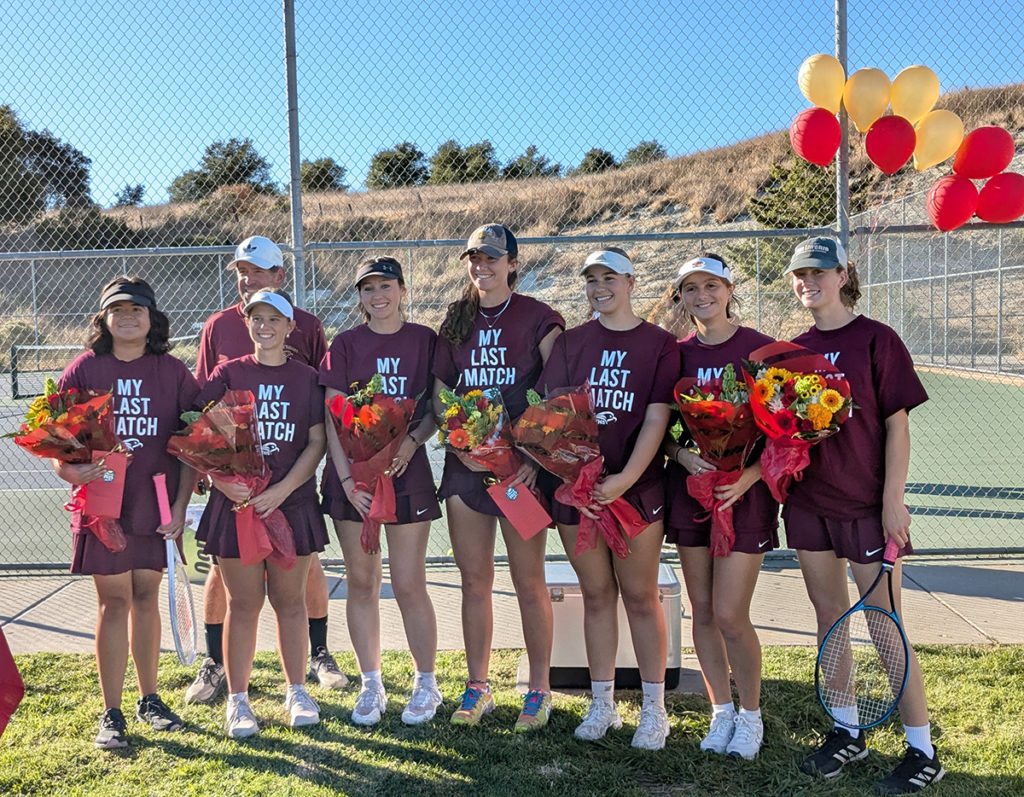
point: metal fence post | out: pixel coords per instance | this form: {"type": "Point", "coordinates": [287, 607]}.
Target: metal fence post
{"type": "Point", "coordinates": [999, 305]}
{"type": "Point", "coordinates": [299, 279]}
{"type": "Point", "coordinates": [843, 156]}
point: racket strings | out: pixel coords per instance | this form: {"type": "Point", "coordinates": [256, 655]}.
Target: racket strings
{"type": "Point", "coordinates": [862, 668]}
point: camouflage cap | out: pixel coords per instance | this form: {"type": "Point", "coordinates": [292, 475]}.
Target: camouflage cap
{"type": "Point", "coordinates": [495, 240]}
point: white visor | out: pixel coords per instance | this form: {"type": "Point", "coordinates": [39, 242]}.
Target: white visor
{"type": "Point", "coordinates": [613, 260]}
{"type": "Point", "coordinates": [275, 300]}
{"type": "Point", "coordinates": [702, 265]}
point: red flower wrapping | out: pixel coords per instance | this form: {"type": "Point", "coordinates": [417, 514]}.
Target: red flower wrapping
{"type": "Point", "coordinates": [370, 436]}
{"type": "Point", "coordinates": [87, 426]}
{"type": "Point", "coordinates": [788, 449]}
{"type": "Point", "coordinates": [701, 486]}
{"type": "Point", "coordinates": [560, 433]}
{"type": "Point", "coordinates": [225, 442]}
{"type": "Point", "coordinates": [12, 688]}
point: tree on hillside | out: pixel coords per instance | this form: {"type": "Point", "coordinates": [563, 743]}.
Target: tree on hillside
{"type": "Point", "coordinates": [795, 194]}
{"type": "Point", "coordinates": [129, 196]}
{"type": "Point", "coordinates": [453, 164]}
{"type": "Point", "coordinates": [530, 164]}
{"type": "Point", "coordinates": [321, 175]}
{"type": "Point", "coordinates": [38, 171]}
{"type": "Point", "coordinates": [394, 168]}
{"type": "Point", "coordinates": [232, 162]}
{"type": "Point", "coordinates": [595, 161]}
{"type": "Point", "coordinates": [645, 152]}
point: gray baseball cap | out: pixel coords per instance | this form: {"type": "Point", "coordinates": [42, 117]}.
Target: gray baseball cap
{"type": "Point", "coordinates": [818, 252]}
{"type": "Point", "coordinates": [495, 240]}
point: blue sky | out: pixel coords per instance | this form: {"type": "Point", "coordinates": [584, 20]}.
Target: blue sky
{"type": "Point", "coordinates": [142, 87]}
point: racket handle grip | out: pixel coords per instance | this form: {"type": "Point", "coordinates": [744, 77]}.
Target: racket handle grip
{"type": "Point", "coordinates": [891, 548]}
{"type": "Point", "coordinates": [160, 483]}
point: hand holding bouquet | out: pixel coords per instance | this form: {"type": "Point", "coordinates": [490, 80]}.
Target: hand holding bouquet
{"type": "Point", "coordinates": [223, 441]}
{"type": "Point", "coordinates": [476, 426]}
{"type": "Point", "coordinates": [721, 423]}
{"type": "Point", "coordinates": [560, 433]}
{"type": "Point", "coordinates": [77, 427]}
{"type": "Point", "coordinates": [371, 426]}
{"type": "Point", "coordinates": [797, 399]}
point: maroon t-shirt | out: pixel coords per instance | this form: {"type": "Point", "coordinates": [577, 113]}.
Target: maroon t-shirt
{"type": "Point", "coordinates": [288, 402]}
{"type": "Point", "coordinates": [226, 337]}
{"type": "Point", "coordinates": [847, 470]}
{"type": "Point", "coordinates": [757, 510]}
{"type": "Point", "coordinates": [404, 359]}
{"type": "Point", "coordinates": [500, 352]}
{"type": "Point", "coordinates": [627, 370]}
{"type": "Point", "coordinates": [150, 393]}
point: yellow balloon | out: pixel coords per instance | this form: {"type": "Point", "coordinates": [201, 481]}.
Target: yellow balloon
{"type": "Point", "coordinates": [821, 80]}
{"type": "Point", "coordinates": [914, 92]}
{"type": "Point", "coordinates": [939, 134]}
{"type": "Point", "coordinates": [866, 96]}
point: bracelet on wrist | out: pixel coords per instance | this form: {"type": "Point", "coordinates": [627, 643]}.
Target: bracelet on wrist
{"type": "Point", "coordinates": [348, 479]}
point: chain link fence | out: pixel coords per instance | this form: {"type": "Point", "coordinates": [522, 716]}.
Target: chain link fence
{"type": "Point", "coordinates": [151, 139]}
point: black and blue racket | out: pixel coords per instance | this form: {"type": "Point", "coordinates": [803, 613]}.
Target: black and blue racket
{"type": "Point", "coordinates": [862, 663]}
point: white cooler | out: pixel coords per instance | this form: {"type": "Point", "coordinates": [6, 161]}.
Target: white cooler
{"type": "Point", "coordinates": [569, 654]}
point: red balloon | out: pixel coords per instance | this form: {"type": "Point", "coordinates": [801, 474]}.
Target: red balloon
{"type": "Point", "coordinates": [983, 153]}
{"type": "Point", "coordinates": [815, 136]}
{"type": "Point", "coordinates": [951, 201]}
{"type": "Point", "coordinates": [890, 143]}
{"type": "Point", "coordinates": [1001, 199]}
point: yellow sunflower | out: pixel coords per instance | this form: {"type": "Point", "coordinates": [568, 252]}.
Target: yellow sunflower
{"type": "Point", "coordinates": [819, 416]}
{"type": "Point", "coordinates": [763, 390]}
{"type": "Point", "coordinates": [472, 394]}
{"type": "Point", "coordinates": [830, 399]}
{"type": "Point", "coordinates": [777, 375]}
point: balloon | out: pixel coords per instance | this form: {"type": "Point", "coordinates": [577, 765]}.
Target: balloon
{"type": "Point", "coordinates": [1001, 199]}
{"type": "Point", "coordinates": [890, 143]}
{"type": "Point", "coordinates": [939, 133]}
{"type": "Point", "coordinates": [914, 92]}
{"type": "Point", "coordinates": [983, 153]}
{"type": "Point", "coordinates": [815, 136]}
{"type": "Point", "coordinates": [821, 80]}
{"type": "Point", "coordinates": [951, 201]}
{"type": "Point", "coordinates": [866, 96]}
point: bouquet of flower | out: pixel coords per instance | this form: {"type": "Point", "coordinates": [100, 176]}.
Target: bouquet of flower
{"type": "Point", "coordinates": [720, 422]}
{"type": "Point", "coordinates": [371, 426]}
{"type": "Point", "coordinates": [560, 434]}
{"type": "Point", "coordinates": [797, 399]}
{"type": "Point", "coordinates": [77, 427]}
{"type": "Point", "coordinates": [223, 441]}
{"type": "Point", "coordinates": [477, 426]}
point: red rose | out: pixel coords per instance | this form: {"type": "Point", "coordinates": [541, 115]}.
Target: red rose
{"type": "Point", "coordinates": [454, 423]}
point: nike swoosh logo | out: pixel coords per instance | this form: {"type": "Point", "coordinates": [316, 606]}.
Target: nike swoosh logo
{"type": "Point", "coordinates": [762, 543]}
{"type": "Point", "coordinates": [872, 553]}
{"type": "Point", "coordinates": [656, 511]}
{"type": "Point", "coordinates": [421, 511]}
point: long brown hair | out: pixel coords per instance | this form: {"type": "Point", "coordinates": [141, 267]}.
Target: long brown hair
{"type": "Point", "coordinates": [850, 292]}
{"type": "Point", "coordinates": [99, 339]}
{"type": "Point", "coordinates": [458, 321]}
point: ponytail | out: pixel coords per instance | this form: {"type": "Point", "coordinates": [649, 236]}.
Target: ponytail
{"type": "Point", "coordinates": [850, 292]}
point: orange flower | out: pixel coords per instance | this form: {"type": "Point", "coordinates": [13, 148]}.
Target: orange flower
{"type": "Point", "coordinates": [458, 438]}
{"type": "Point", "coordinates": [818, 415]}
{"type": "Point", "coordinates": [763, 391]}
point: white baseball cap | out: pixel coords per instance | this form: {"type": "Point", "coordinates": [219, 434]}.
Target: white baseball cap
{"type": "Point", "coordinates": [276, 300]}
{"type": "Point", "coordinates": [702, 265]}
{"type": "Point", "coordinates": [620, 264]}
{"type": "Point", "coordinates": [260, 251]}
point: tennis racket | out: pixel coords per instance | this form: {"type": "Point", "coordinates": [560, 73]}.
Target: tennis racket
{"type": "Point", "coordinates": [862, 664]}
{"type": "Point", "coordinates": [179, 590]}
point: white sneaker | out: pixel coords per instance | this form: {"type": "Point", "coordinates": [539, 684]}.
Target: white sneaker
{"type": "Point", "coordinates": [370, 705]}
{"type": "Point", "coordinates": [653, 727]}
{"type": "Point", "coordinates": [746, 740]}
{"type": "Point", "coordinates": [718, 738]}
{"type": "Point", "coordinates": [239, 719]}
{"type": "Point", "coordinates": [422, 705]}
{"type": "Point", "coordinates": [601, 715]}
{"type": "Point", "coordinates": [303, 709]}
{"type": "Point", "coordinates": [210, 681]}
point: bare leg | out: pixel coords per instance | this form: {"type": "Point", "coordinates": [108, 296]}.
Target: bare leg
{"type": "Point", "coordinates": [600, 603]}
{"type": "Point", "coordinates": [287, 592]}
{"type": "Point", "coordinates": [472, 535]}
{"type": "Point", "coordinates": [734, 579]}
{"type": "Point", "coordinates": [698, 576]}
{"type": "Point", "coordinates": [114, 597]}
{"type": "Point", "coordinates": [362, 604]}
{"type": "Point", "coordinates": [526, 566]}
{"type": "Point", "coordinates": [145, 627]}
{"type": "Point", "coordinates": [215, 598]}
{"type": "Point", "coordinates": [638, 582]}
{"type": "Point", "coordinates": [407, 556]}
{"type": "Point", "coordinates": [316, 588]}
{"type": "Point", "coordinates": [246, 586]}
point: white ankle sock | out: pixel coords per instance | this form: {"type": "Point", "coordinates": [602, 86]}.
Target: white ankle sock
{"type": "Point", "coordinates": [654, 692]}
{"type": "Point", "coordinates": [427, 679]}
{"type": "Point", "coordinates": [920, 736]}
{"type": "Point", "coordinates": [372, 678]}
{"type": "Point", "coordinates": [753, 715]}
{"type": "Point", "coordinates": [603, 691]}
{"type": "Point", "coordinates": [728, 709]}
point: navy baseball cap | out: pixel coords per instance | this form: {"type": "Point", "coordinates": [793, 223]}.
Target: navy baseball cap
{"type": "Point", "coordinates": [386, 267]}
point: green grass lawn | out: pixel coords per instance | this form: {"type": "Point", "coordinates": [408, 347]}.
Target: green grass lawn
{"type": "Point", "coordinates": [976, 695]}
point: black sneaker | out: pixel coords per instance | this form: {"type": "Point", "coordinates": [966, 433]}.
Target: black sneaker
{"type": "Point", "coordinates": [113, 732]}
{"type": "Point", "coordinates": [914, 773]}
{"type": "Point", "coordinates": [838, 749]}
{"type": "Point", "coordinates": [152, 709]}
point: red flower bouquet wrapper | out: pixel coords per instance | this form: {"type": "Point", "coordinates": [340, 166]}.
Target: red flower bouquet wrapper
{"type": "Point", "coordinates": [560, 434]}
{"type": "Point", "coordinates": [798, 399]}
{"type": "Point", "coordinates": [224, 442]}
{"type": "Point", "coordinates": [725, 433]}
{"type": "Point", "coordinates": [77, 427]}
{"type": "Point", "coordinates": [476, 426]}
{"type": "Point", "coordinates": [12, 688]}
{"type": "Point", "coordinates": [371, 427]}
